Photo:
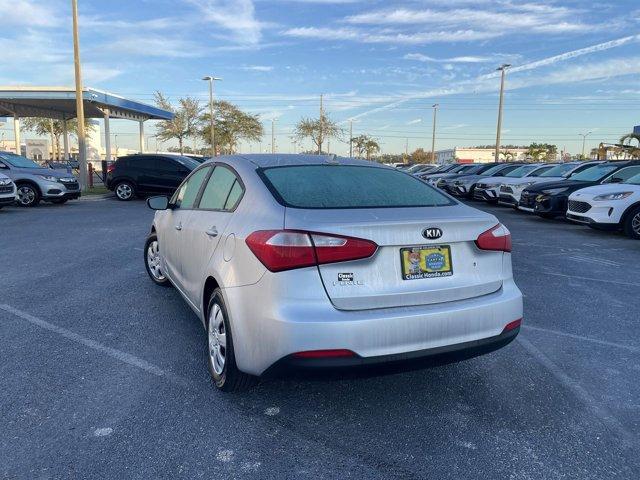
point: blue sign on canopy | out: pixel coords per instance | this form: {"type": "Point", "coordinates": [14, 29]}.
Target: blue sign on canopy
{"type": "Point", "coordinates": [636, 129]}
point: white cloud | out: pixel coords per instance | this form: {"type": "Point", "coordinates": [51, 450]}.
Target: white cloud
{"type": "Point", "coordinates": [462, 59]}
{"type": "Point", "coordinates": [577, 73]}
{"type": "Point", "coordinates": [154, 45]}
{"type": "Point", "coordinates": [236, 16]}
{"type": "Point", "coordinates": [28, 14]}
{"type": "Point", "coordinates": [533, 17]}
{"type": "Point", "coordinates": [414, 121]}
{"type": "Point", "coordinates": [367, 36]}
{"type": "Point", "coordinates": [257, 68]}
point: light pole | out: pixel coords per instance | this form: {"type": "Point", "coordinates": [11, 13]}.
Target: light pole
{"type": "Point", "coordinates": [211, 79]}
{"type": "Point", "coordinates": [115, 140]}
{"type": "Point", "coordinates": [502, 69]}
{"type": "Point", "coordinates": [584, 139]}
{"type": "Point", "coordinates": [433, 133]}
{"type": "Point", "coordinates": [82, 150]}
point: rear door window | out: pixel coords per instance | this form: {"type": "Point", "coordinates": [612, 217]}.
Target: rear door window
{"type": "Point", "coordinates": [349, 186]}
{"type": "Point", "coordinates": [223, 190]}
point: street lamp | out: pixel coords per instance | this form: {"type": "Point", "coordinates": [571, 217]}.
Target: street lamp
{"type": "Point", "coordinates": [433, 133]}
{"type": "Point", "coordinates": [502, 68]}
{"type": "Point", "coordinates": [115, 140]}
{"type": "Point", "coordinates": [584, 138]}
{"type": "Point", "coordinates": [211, 79]}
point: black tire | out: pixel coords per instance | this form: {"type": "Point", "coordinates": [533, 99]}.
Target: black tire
{"type": "Point", "coordinates": [28, 195]}
{"type": "Point", "coordinates": [125, 190]}
{"type": "Point", "coordinates": [59, 201]}
{"type": "Point", "coordinates": [631, 224]}
{"type": "Point", "coordinates": [150, 263]}
{"type": "Point", "coordinates": [230, 379]}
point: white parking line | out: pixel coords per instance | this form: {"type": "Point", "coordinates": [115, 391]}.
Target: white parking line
{"type": "Point", "coordinates": [87, 342]}
{"type": "Point", "coordinates": [611, 422]}
{"type": "Point", "coordinates": [583, 338]}
{"type": "Point", "coordinates": [596, 261]}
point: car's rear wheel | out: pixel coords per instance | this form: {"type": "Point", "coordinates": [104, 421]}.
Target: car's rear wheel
{"type": "Point", "coordinates": [220, 353]}
{"type": "Point", "coordinates": [28, 195]}
{"type": "Point", "coordinates": [125, 191]}
{"type": "Point", "coordinates": [632, 224]}
{"type": "Point", "coordinates": [152, 261]}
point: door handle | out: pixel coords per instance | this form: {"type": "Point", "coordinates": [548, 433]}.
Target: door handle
{"type": "Point", "coordinates": [212, 232]}
{"type": "Point", "coordinates": [179, 226]}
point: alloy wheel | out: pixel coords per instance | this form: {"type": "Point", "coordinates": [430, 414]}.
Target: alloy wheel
{"type": "Point", "coordinates": [124, 191]}
{"type": "Point", "coordinates": [217, 339]}
{"type": "Point", "coordinates": [26, 195]}
{"type": "Point", "coordinates": [635, 224]}
{"type": "Point", "coordinates": [153, 261]}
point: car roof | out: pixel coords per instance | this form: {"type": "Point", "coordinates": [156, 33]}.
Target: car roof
{"type": "Point", "coordinates": [280, 160]}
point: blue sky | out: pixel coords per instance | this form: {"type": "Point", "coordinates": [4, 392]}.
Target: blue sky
{"type": "Point", "coordinates": [382, 64]}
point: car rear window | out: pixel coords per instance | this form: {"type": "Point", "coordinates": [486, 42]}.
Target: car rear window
{"type": "Point", "coordinates": [349, 186]}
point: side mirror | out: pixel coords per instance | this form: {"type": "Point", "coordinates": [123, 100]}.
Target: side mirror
{"type": "Point", "coordinates": [616, 180]}
{"type": "Point", "coordinates": [158, 203]}
{"type": "Point", "coordinates": [3, 166]}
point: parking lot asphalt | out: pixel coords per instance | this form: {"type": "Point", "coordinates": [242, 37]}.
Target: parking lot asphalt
{"type": "Point", "coordinates": [103, 374]}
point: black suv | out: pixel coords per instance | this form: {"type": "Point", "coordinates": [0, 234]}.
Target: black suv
{"type": "Point", "coordinates": [550, 199]}
{"type": "Point", "coordinates": [147, 174]}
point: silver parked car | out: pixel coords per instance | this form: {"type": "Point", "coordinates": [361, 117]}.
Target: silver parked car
{"type": "Point", "coordinates": [305, 261]}
{"type": "Point", "coordinates": [35, 183]}
{"type": "Point", "coordinates": [7, 191]}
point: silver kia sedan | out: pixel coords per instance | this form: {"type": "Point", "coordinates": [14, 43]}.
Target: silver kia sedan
{"type": "Point", "coordinates": [314, 262]}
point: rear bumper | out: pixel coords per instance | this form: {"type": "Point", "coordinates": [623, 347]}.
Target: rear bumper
{"type": "Point", "coordinates": [419, 359]}
{"type": "Point", "coordinates": [267, 332]}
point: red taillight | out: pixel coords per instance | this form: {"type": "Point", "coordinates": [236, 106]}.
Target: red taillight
{"type": "Point", "coordinates": [280, 250]}
{"type": "Point", "coordinates": [512, 325]}
{"type": "Point", "coordinates": [497, 238]}
{"type": "Point", "coordinates": [111, 167]}
{"type": "Point", "coordinates": [340, 353]}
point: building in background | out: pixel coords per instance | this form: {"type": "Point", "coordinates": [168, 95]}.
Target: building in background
{"type": "Point", "coordinates": [478, 155]}
{"type": "Point", "coordinates": [37, 149]}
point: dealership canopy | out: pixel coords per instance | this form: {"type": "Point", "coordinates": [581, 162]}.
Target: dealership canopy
{"type": "Point", "coordinates": [60, 103]}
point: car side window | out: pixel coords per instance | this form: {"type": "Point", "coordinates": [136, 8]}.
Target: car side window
{"type": "Point", "coordinates": [166, 165]}
{"type": "Point", "coordinates": [144, 163]}
{"type": "Point", "coordinates": [187, 194]}
{"type": "Point", "coordinates": [624, 174]}
{"type": "Point", "coordinates": [223, 190]}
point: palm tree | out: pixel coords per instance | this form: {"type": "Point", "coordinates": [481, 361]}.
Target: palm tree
{"type": "Point", "coordinates": [55, 128]}
{"type": "Point", "coordinates": [627, 139]}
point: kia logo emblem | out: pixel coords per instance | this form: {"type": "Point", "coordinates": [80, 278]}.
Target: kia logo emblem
{"type": "Point", "coordinates": [432, 233]}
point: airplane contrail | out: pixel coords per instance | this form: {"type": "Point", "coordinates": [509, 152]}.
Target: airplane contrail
{"type": "Point", "coordinates": [462, 87]}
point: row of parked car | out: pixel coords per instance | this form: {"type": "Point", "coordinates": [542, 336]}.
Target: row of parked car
{"type": "Point", "coordinates": [604, 195]}
{"type": "Point", "coordinates": [26, 183]}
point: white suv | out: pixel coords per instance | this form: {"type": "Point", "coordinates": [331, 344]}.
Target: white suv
{"type": "Point", "coordinates": [609, 206]}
